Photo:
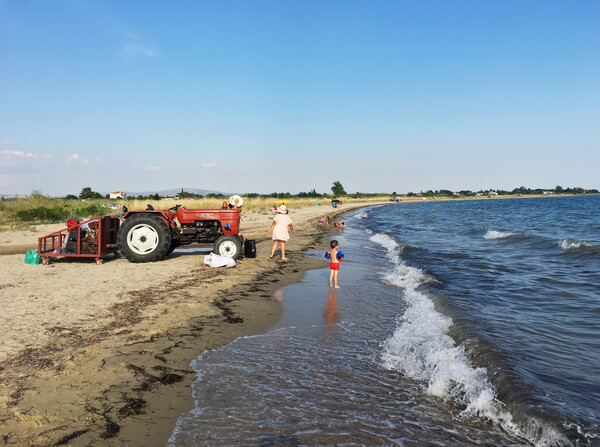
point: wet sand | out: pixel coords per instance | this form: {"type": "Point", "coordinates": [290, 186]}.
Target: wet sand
{"type": "Point", "coordinates": [99, 354]}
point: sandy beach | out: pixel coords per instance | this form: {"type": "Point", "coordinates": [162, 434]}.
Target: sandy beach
{"type": "Point", "coordinates": [99, 354]}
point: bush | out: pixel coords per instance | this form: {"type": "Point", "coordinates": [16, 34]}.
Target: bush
{"type": "Point", "coordinates": [93, 210]}
{"type": "Point", "coordinates": [44, 214]}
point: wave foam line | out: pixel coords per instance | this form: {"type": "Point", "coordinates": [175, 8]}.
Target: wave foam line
{"type": "Point", "coordinates": [492, 234]}
{"type": "Point", "coordinates": [421, 349]}
{"type": "Point", "coordinates": [572, 244]}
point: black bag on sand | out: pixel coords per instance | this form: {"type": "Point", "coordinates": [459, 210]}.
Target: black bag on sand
{"type": "Point", "coordinates": [71, 246]}
{"type": "Point", "coordinates": [250, 248]}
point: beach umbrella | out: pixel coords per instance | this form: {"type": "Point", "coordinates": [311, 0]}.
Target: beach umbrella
{"type": "Point", "coordinates": [282, 201]}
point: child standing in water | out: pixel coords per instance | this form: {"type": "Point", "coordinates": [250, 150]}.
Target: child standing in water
{"type": "Point", "coordinates": [335, 257]}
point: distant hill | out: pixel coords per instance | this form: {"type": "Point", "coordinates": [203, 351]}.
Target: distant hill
{"type": "Point", "coordinates": [173, 192]}
{"type": "Point", "coordinates": [163, 193]}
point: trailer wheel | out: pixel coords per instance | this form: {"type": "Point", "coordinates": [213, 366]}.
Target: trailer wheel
{"type": "Point", "coordinates": [229, 246]}
{"type": "Point", "coordinates": [144, 237]}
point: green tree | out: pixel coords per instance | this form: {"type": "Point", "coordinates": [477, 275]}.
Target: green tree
{"type": "Point", "coordinates": [558, 189]}
{"type": "Point", "coordinates": [185, 195]}
{"type": "Point", "coordinates": [337, 189]}
{"type": "Point", "coordinates": [87, 193]}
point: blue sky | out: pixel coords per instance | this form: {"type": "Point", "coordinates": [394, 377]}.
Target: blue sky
{"type": "Point", "coordinates": [264, 96]}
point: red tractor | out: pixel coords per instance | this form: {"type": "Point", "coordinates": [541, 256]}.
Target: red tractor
{"type": "Point", "coordinates": [150, 235]}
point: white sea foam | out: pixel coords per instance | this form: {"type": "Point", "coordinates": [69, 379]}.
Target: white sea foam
{"type": "Point", "coordinates": [421, 349]}
{"type": "Point", "coordinates": [387, 242]}
{"type": "Point", "coordinates": [492, 234]}
{"type": "Point", "coordinates": [572, 244]}
{"type": "Point", "coordinates": [362, 215]}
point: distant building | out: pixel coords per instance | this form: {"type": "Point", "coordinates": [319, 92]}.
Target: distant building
{"type": "Point", "coordinates": [118, 195]}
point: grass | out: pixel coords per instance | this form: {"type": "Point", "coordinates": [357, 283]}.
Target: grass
{"type": "Point", "coordinates": [37, 208]}
{"type": "Point", "coordinates": [40, 209]}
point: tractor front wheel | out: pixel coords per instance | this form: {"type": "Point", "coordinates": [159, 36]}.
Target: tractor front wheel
{"type": "Point", "coordinates": [229, 246]}
{"type": "Point", "coordinates": [144, 237]}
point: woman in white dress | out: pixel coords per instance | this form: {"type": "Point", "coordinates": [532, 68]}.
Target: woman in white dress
{"type": "Point", "coordinates": [279, 230]}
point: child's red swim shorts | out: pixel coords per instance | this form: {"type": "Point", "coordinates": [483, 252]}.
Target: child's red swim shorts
{"type": "Point", "coordinates": [334, 266]}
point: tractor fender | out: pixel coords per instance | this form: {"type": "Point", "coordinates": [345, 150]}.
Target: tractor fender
{"type": "Point", "coordinates": [165, 215]}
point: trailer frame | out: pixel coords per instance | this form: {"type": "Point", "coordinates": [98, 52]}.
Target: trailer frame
{"type": "Point", "coordinates": [92, 238]}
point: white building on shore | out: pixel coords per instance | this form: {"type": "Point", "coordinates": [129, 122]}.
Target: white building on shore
{"type": "Point", "coordinates": [118, 195]}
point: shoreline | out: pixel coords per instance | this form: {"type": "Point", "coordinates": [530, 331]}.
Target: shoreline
{"type": "Point", "coordinates": [99, 355]}
{"type": "Point", "coordinates": [8, 247]}
{"type": "Point", "coordinates": [124, 376]}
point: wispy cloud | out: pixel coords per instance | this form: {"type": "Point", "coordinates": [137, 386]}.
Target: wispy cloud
{"type": "Point", "coordinates": [6, 143]}
{"type": "Point", "coordinates": [16, 161]}
{"type": "Point", "coordinates": [209, 165]}
{"type": "Point", "coordinates": [5, 180]}
{"type": "Point", "coordinates": [76, 159]}
{"type": "Point", "coordinates": [133, 47]}
{"type": "Point", "coordinates": [152, 168]}
{"type": "Point", "coordinates": [16, 154]}
{"type": "Point", "coordinates": [7, 154]}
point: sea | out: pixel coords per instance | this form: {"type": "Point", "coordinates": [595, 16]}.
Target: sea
{"type": "Point", "coordinates": [459, 323]}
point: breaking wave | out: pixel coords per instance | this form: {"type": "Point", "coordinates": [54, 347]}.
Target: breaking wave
{"type": "Point", "coordinates": [421, 348]}
{"type": "Point", "coordinates": [492, 234]}
{"type": "Point", "coordinates": [572, 244]}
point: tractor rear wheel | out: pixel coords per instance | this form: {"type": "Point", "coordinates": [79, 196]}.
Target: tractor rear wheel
{"type": "Point", "coordinates": [144, 237]}
{"type": "Point", "coordinates": [229, 246]}
{"type": "Point", "coordinates": [172, 247]}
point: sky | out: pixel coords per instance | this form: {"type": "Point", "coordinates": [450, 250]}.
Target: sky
{"type": "Point", "coordinates": [289, 96]}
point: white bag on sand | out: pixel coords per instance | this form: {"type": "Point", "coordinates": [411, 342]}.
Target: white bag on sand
{"type": "Point", "coordinates": [215, 260]}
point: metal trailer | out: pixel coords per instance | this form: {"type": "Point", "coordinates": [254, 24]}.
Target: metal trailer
{"type": "Point", "coordinates": [93, 238]}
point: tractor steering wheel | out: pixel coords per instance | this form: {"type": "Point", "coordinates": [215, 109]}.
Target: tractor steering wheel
{"type": "Point", "coordinates": [175, 208]}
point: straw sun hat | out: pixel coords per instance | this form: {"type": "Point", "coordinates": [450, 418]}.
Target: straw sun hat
{"type": "Point", "coordinates": [236, 201]}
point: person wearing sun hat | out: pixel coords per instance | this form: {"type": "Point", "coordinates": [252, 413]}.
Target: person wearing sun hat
{"type": "Point", "coordinates": [279, 230]}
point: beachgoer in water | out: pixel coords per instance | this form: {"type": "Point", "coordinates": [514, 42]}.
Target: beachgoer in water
{"type": "Point", "coordinates": [324, 221]}
{"type": "Point", "coordinates": [279, 230]}
{"type": "Point", "coordinates": [335, 256]}
{"type": "Point", "coordinates": [339, 225]}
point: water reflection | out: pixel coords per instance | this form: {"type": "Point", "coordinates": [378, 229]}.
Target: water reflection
{"type": "Point", "coordinates": [331, 312]}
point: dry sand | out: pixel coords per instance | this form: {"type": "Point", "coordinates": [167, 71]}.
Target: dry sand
{"type": "Point", "coordinates": [99, 354]}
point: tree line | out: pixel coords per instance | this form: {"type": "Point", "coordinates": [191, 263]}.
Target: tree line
{"type": "Point", "coordinates": [522, 190]}
{"type": "Point", "coordinates": [337, 190]}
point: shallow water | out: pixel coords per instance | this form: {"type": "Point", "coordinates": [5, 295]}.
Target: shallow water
{"type": "Point", "coordinates": [454, 326]}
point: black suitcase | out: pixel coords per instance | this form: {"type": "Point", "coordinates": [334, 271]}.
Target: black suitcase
{"type": "Point", "coordinates": [71, 245]}
{"type": "Point", "coordinates": [250, 248]}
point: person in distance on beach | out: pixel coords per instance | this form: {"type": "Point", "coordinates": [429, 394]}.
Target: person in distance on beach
{"type": "Point", "coordinates": [324, 221]}
{"type": "Point", "coordinates": [335, 256]}
{"type": "Point", "coordinates": [279, 230]}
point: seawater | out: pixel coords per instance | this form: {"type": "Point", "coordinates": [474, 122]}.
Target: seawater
{"type": "Point", "coordinates": [458, 323]}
